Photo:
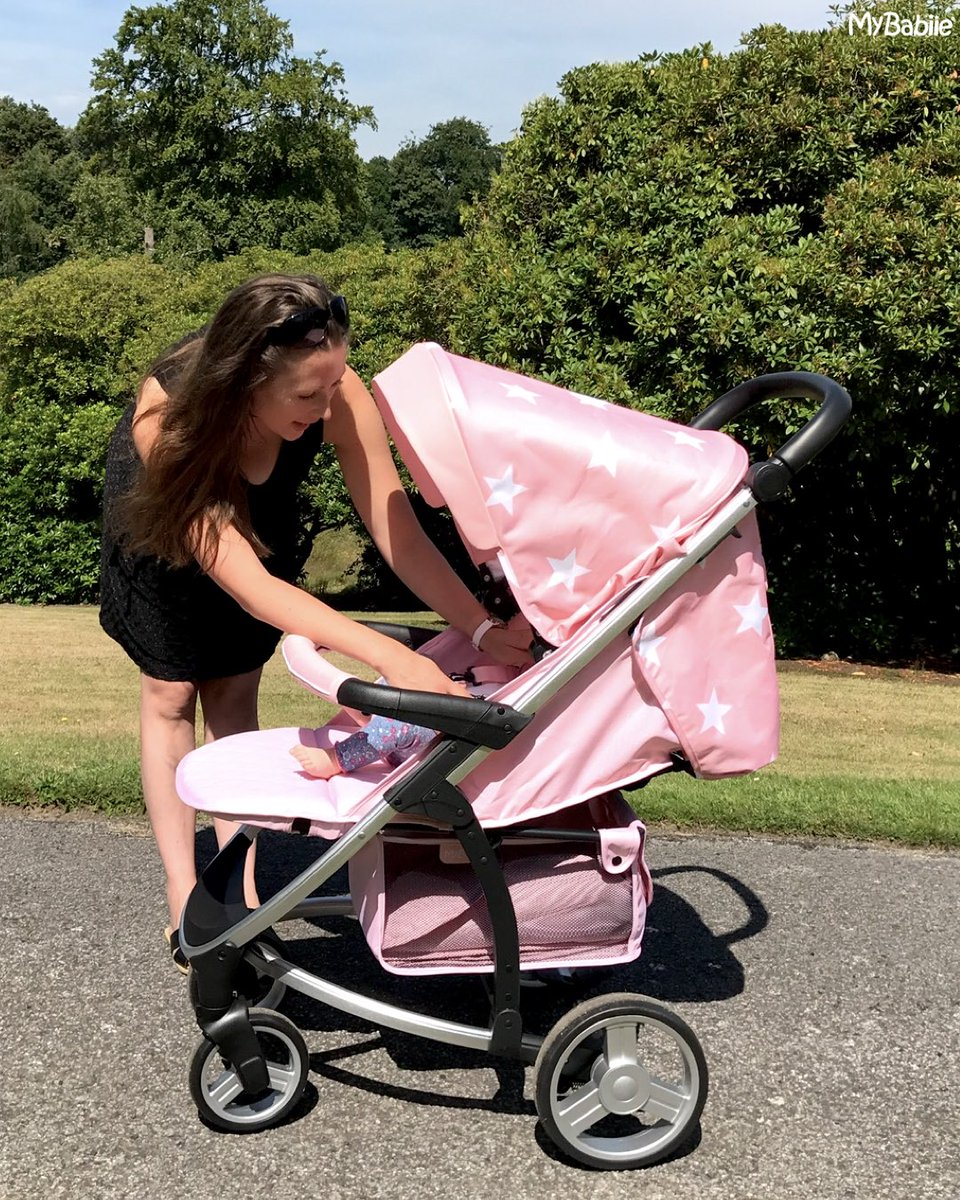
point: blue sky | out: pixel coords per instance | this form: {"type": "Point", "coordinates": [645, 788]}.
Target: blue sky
{"type": "Point", "coordinates": [417, 62]}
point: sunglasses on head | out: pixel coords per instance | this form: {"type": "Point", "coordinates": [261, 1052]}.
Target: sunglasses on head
{"type": "Point", "coordinates": [310, 325]}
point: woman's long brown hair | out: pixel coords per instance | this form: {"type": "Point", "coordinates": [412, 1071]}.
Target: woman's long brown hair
{"type": "Point", "coordinates": [192, 485]}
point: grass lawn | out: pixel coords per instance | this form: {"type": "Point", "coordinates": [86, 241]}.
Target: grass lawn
{"type": "Point", "coordinates": [864, 754]}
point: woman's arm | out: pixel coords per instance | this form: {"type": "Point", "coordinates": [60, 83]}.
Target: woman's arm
{"type": "Point", "coordinates": [238, 570]}
{"type": "Point", "coordinates": [357, 433]}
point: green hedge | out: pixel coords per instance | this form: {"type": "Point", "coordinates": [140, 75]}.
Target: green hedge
{"type": "Point", "coordinates": [667, 228]}
{"type": "Point", "coordinates": [660, 231]}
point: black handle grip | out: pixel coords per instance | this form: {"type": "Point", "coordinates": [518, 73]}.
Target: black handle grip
{"type": "Point", "coordinates": [771, 478]}
{"type": "Point", "coordinates": [480, 722]}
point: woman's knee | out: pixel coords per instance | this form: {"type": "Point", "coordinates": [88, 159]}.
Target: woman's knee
{"type": "Point", "coordinates": [168, 700]}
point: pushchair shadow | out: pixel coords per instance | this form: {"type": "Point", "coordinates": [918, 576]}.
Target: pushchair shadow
{"type": "Point", "coordinates": [707, 970]}
{"type": "Point", "coordinates": [404, 1051]}
{"type": "Point", "coordinates": [280, 856]}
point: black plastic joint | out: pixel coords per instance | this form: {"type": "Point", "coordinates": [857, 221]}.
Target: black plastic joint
{"type": "Point", "coordinates": [506, 1036]}
{"type": "Point", "coordinates": [214, 974]}
{"type": "Point", "coordinates": [234, 1037]}
{"type": "Point", "coordinates": [769, 480]}
{"type": "Point", "coordinates": [428, 793]}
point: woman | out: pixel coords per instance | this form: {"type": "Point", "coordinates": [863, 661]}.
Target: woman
{"type": "Point", "coordinates": [200, 535]}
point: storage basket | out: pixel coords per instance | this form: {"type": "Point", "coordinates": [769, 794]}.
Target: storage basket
{"type": "Point", "coordinates": [578, 902]}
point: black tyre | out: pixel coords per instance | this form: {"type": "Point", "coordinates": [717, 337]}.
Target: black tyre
{"type": "Point", "coordinates": [219, 1095]}
{"type": "Point", "coordinates": [620, 1082]}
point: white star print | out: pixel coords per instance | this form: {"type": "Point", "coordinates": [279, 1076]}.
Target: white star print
{"type": "Point", "coordinates": [515, 392]}
{"type": "Point", "coordinates": [589, 401]}
{"type": "Point", "coordinates": [752, 615]}
{"type": "Point", "coordinates": [665, 533]}
{"type": "Point", "coordinates": [606, 454]}
{"type": "Point", "coordinates": [713, 713]}
{"type": "Point", "coordinates": [648, 642]}
{"type": "Point", "coordinates": [686, 439]}
{"type": "Point", "coordinates": [504, 491]}
{"type": "Point", "coordinates": [565, 571]}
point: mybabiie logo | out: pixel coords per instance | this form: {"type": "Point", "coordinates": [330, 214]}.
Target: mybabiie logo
{"type": "Point", "coordinates": [891, 24]}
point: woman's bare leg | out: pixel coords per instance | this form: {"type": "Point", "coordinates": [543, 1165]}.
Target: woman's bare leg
{"type": "Point", "coordinates": [230, 706]}
{"type": "Point", "coordinates": [167, 732]}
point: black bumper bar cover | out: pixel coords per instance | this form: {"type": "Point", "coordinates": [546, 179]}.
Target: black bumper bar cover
{"type": "Point", "coordinates": [480, 722]}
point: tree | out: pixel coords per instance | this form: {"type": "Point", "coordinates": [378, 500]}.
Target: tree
{"type": "Point", "coordinates": [108, 218]}
{"type": "Point", "coordinates": [37, 174]}
{"type": "Point", "coordinates": [378, 179]}
{"type": "Point", "coordinates": [22, 240]}
{"type": "Point", "coordinates": [417, 196]}
{"type": "Point", "coordinates": [669, 227]}
{"type": "Point", "coordinates": [202, 109]}
{"type": "Point", "coordinates": [23, 126]}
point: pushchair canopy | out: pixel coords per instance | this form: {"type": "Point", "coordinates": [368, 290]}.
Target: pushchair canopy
{"type": "Point", "coordinates": [573, 496]}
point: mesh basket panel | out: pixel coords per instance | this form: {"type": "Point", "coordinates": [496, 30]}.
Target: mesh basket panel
{"type": "Point", "coordinates": [436, 913]}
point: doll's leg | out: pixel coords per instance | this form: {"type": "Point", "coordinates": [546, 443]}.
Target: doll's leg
{"type": "Point", "coordinates": [387, 735]}
{"type": "Point", "coordinates": [167, 715]}
{"type": "Point", "coordinates": [380, 738]}
{"type": "Point", "coordinates": [320, 763]}
{"type": "Point", "coordinates": [355, 752]}
{"type": "Point", "coordinates": [230, 706]}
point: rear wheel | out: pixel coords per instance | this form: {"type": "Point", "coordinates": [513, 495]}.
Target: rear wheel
{"type": "Point", "coordinates": [620, 1082]}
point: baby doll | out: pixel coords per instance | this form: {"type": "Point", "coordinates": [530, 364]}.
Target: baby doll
{"type": "Point", "coordinates": [381, 737]}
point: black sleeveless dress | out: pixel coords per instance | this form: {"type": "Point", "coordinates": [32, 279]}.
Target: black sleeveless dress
{"type": "Point", "coordinates": [175, 622]}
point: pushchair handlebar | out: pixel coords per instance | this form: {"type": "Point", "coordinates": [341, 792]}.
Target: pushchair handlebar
{"type": "Point", "coordinates": [771, 478]}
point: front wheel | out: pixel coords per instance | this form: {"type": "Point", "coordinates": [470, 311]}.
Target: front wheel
{"type": "Point", "coordinates": [219, 1095]}
{"type": "Point", "coordinates": [620, 1082]}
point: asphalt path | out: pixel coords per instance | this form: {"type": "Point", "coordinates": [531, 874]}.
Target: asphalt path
{"type": "Point", "coordinates": [822, 978]}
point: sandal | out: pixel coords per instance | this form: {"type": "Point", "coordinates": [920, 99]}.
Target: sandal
{"type": "Point", "coordinates": [180, 960]}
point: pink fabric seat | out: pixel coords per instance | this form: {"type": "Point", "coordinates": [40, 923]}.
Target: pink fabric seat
{"type": "Point", "coordinates": [253, 777]}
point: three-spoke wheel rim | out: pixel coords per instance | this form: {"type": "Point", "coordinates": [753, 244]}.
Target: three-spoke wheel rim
{"type": "Point", "coordinates": [224, 1093]}
{"type": "Point", "coordinates": [624, 1089]}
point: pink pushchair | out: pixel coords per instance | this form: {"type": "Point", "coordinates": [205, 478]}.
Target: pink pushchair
{"type": "Point", "coordinates": [505, 847]}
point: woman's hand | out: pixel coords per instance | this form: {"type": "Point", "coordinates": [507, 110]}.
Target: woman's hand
{"type": "Point", "coordinates": [421, 674]}
{"type": "Point", "coordinates": [509, 644]}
